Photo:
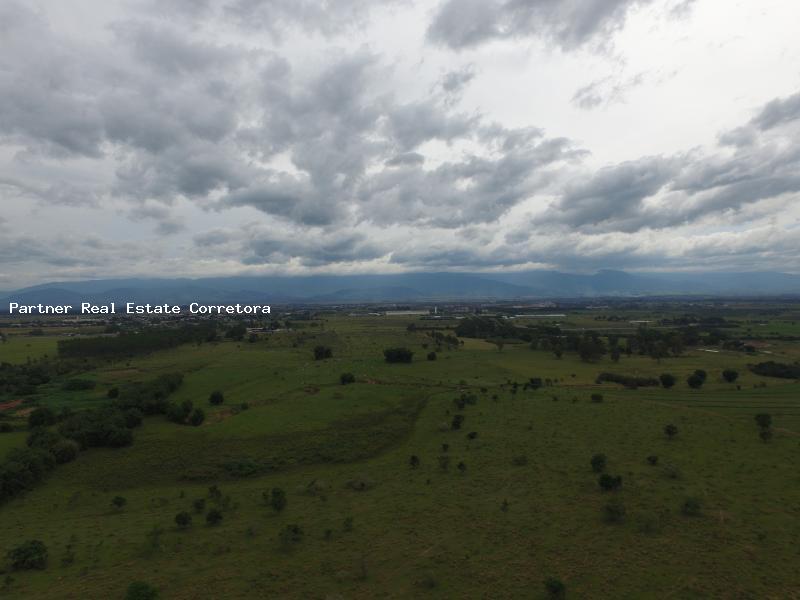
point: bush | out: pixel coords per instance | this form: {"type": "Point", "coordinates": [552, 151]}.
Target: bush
{"type": "Point", "coordinates": [609, 483]}
{"type": "Point", "coordinates": [29, 555]}
{"type": "Point", "coordinates": [322, 352]}
{"type": "Point", "coordinates": [597, 398]}
{"type": "Point", "coordinates": [41, 417]}
{"type": "Point", "coordinates": [667, 380]}
{"type": "Point", "coordinates": [598, 463]}
{"type": "Point", "coordinates": [775, 369]}
{"type": "Point", "coordinates": [695, 381]}
{"type": "Point", "coordinates": [118, 502]}
{"type": "Point", "coordinates": [670, 430]}
{"type": "Point", "coordinates": [197, 417]}
{"type": "Point", "coordinates": [277, 499]}
{"type": "Point", "coordinates": [555, 588]}
{"type": "Point", "coordinates": [398, 355]}
{"type": "Point", "coordinates": [458, 420]}
{"type": "Point", "coordinates": [346, 378]}
{"type": "Point", "coordinates": [652, 460]}
{"type": "Point", "coordinates": [691, 507]}
{"type": "Point", "coordinates": [628, 381]}
{"type": "Point", "coordinates": [216, 398]}
{"type": "Point", "coordinates": [730, 375]}
{"type": "Point", "coordinates": [431, 355]}
{"type": "Point", "coordinates": [183, 519]}
{"type": "Point", "coordinates": [214, 517]}
{"type": "Point", "coordinates": [139, 590]}
{"type": "Point", "coordinates": [764, 420]}
{"type": "Point", "coordinates": [65, 450]}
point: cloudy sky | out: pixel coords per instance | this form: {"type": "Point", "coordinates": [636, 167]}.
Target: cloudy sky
{"type": "Point", "coordinates": [208, 137]}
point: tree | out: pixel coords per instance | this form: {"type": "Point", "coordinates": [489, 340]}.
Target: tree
{"type": "Point", "coordinates": [609, 483]}
{"type": "Point", "coordinates": [41, 417]}
{"type": "Point", "coordinates": [667, 380]}
{"type": "Point", "coordinates": [346, 378]}
{"type": "Point", "coordinates": [65, 450]}
{"type": "Point", "coordinates": [652, 460]}
{"type": "Point", "coordinates": [730, 375]}
{"type": "Point", "coordinates": [598, 463]}
{"type": "Point", "coordinates": [28, 555]}
{"type": "Point", "coordinates": [183, 519]}
{"type": "Point", "coordinates": [322, 352]}
{"type": "Point", "coordinates": [764, 420]}
{"type": "Point", "coordinates": [197, 417]}
{"type": "Point", "coordinates": [216, 398]}
{"type": "Point", "coordinates": [139, 590]}
{"type": "Point", "coordinates": [214, 516]}
{"type": "Point", "coordinates": [695, 381]}
{"type": "Point", "coordinates": [277, 499]}
{"type": "Point", "coordinates": [701, 374]}
{"type": "Point", "coordinates": [670, 430]}
{"type": "Point", "coordinates": [431, 355]}
{"type": "Point", "coordinates": [398, 355]}
{"type": "Point", "coordinates": [458, 420]}
{"type": "Point", "coordinates": [413, 461]}
{"type": "Point", "coordinates": [555, 588]}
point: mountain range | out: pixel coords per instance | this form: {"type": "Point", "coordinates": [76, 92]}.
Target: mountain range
{"type": "Point", "coordinates": [405, 287]}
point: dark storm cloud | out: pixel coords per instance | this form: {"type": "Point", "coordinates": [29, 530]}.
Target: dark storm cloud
{"type": "Point", "coordinates": [567, 24]}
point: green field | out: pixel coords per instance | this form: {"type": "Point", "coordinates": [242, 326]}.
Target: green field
{"type": "Point", "coordinates": [525, 507]}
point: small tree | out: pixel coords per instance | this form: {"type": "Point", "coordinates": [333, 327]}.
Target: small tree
{"type": "Point", "coordinates": [216, 398]}
{"type": "Point", "coordinates": [730, 375]}
{"type": "Point", "coordinates": [652, 460]}
{"type": "Point", "coordinates": [414, 461]}
{"type": "Point", "coordinates": [555, 588]}
{"type": "Point", "coordinates": [347, 378]}
{"type": "Point", "coordinates": [701, 374]}
{"type": "Point", "coordinates": [277, 499]}
{"type": "Point", "coordinates": [609, 483]}
{"type": "Point", "coordinates": [458, 420]}
{"type": "Point", "coordinates": [139, 590]}
{"type": "Point", "coordinates": [667, 380]}
{"type": "Point", "coordinates": [598, 463]}
{"type": "Point", "coordinates": [183, 519]}
{"type": "Point", "coordinates": [118, 502]}
{"type": "Point", "coordinates": [322, 352]}
{"type": "Point", "coordinates": [431, 355]}
{"type": "Point", "coordinates": [29, 555]}
{"type": "Point", "coordinates": [764, 420]}
{"type": "Point", "coordinates": [199, 505]}
{"type": "Point", "coordinates": [695, 381]}
{"type": "Point", "coordinates": [670, 430]}
{"type": "Point", "coordinates": [197, 417]}
{"type": "Point", "coordinates": [214, 516]}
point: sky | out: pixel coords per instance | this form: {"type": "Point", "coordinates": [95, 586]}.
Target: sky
{"type": "Point", "coordinates": [191, 138]}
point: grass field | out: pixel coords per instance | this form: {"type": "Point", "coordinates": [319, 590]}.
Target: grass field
{"type": "Point", "coordinates": [526, 505]}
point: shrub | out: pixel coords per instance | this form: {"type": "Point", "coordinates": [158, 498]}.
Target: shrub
{"type": "Point", "coordinates": [597, 398]}
{"type": "Point", "coordinates": [322, 352]}
{"type": "Point", "coordinates": [199, 505]}
{"type": "Point", "coordinates": [667, 380]}
{"type": "Point", "coordinates": [764, 420]}
{"type": "Point", "coordinates": [695, 381]}
{"type": "Point", "coordinates": [277, 499]}
{"type": "Point", "coordinates": [598, 463]}
{"type": "Point", "coordinates": [614, 511]}
{"type": "Point", "coordinates": [652, 460]}
{"type": "Point", "coordinates": [691, 507]}
{"type": "Point", "coordinates": [431, 355]}
{"type": "Point", "coordinates": [398, 355]}
{"type": "Point", "coordinates": [139, 590]}
{"type": "Point", "coordinates": [183, 519]}
{"type": "Point", "coordinates": [216, 398]}
{"type": "Point", "coordinates": [775, 369]}
{"type": "Point", "coordinates": [555, 588]}
{"type": "Point", "coordinates": [670, 430]}
{"type": "Point", "coordinates": [118, 502]}
{"type": "Point", "coordinates": [458, 420]}
{"type": "Point", "coordinates": [65, 450]}
{"type": "Point", "coordinates": [41, 417]}
{"type": "Point", "coordinates": [628, 381]}
{"type": "Point", "coordinates": [197, 417]}
{"type": "Point", "coordinates": [346, 378]}
{"type": "Point", "coordinates": [609, 483]}
{"type": "Point", "coordinates": [414, 461]}
{"type": "Point", "coordinates": [701, 374]}
{"type": "Point", "coordinates": [214, 517]}
{"type": "Point", "coordinates": [730, 375]}
{"type": "Point", "coordinates": [29, 555]}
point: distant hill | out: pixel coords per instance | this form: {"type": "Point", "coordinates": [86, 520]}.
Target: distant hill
{"type": "Point", "coordinates": [405, 287]}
